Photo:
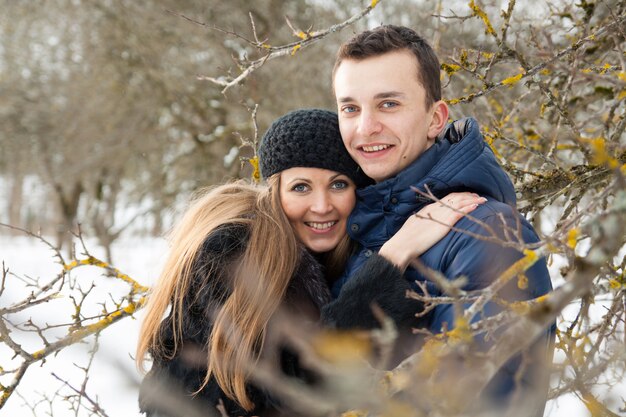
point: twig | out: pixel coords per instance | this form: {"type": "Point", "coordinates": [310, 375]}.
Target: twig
{"type": "Point", "coordinates": [534, 70]}
{"type": "Point", "coordinates": [96, 408]}
{"type": "Point", "coordinates": [271, 52]}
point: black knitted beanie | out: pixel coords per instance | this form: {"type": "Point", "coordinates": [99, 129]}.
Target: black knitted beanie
{"type": "Point", "coordinates": [307, 138]}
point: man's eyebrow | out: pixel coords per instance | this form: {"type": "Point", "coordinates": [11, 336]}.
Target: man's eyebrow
{"type": "Point", "coordinates": [384, 94]}
{"type": "Point", "coordinates": [345, 99]}
{"type": "Point", "coordinates": [390, 94]}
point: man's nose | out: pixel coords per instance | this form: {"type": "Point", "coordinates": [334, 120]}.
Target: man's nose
{"type": "Point", "coordinates": [368, 124]}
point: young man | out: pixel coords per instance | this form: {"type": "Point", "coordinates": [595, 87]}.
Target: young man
{"type": "Point", "coordinates": [394, 124]}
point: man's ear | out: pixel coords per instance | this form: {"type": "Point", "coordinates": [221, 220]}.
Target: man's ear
{"type": "Point", "coordinates": [439, 119]}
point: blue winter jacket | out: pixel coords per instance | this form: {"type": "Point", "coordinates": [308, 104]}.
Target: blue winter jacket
{"type": "Point", "coordinates": [460, 160]}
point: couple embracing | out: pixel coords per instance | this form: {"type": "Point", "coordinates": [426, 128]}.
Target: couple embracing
{"type": "Point", "coordinates": [334, 230]}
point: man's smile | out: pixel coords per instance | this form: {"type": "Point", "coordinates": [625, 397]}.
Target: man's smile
{"type": "Point", "coordinates": [374, 148]}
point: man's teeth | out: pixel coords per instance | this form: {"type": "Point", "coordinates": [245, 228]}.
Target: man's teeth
{"type": "Point", "coordinates": [320, 226]}
{"type": "Point", "coordinates": [375, 148]}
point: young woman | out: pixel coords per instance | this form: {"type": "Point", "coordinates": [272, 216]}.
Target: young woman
{"type": "Point", "coordinates": [243, 252]}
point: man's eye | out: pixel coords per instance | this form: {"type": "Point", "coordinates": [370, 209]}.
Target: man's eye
{"type": "Point", "coordinates": [299, 188]}
{"type": "Point", "coordinates": [389, 104]}
{"type": "Point", "coordinates": [339, 185]}
{"type": "Point", "coordinates": [348, 109]}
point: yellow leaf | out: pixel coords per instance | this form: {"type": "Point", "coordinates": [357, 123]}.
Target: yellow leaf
{"type": "Point", "coordinates": [354, 413]}
{"type": "Point", "coordinates": [295, 48]}
{"type": "Point", "coordinates": [520, 307]}
{"type": "Point", "coordinates": [395, 381]}
{"type": "Point", "coordinates": [552, 248]}
{"type": "Point", "coordinates": [605, 68]}
{"type": "Point", "coordinates": [374, 3]}
{"type": "Point", "coordinates": [522, 282]}
{"type": "Point", "coordinates": [596, 408]}
{"type": "Point", "coordinates": [530, 255]}
{"type": "Point", "coordinates": [600, 154]}
{"type": "Point", "coordinates": [477, 11]}
{"type": "Point", "coordinates": [523, 307]}
{"type": "Point", "coordinates": [38, 354]}
{"type": "Point", "coordinates": [512, 80]}
{"type": "Point", "coordinates": [450, 68]}
{"type": "Point", "coordinates": [302, 35]}
{"type": "Point", "coordinates": [461, 331]}
{"type": "Point", "coordinates": [572, 238]}
{"type": "Point", "coordinates": [490, 141]}
{"type": "Point", "coordinates": [71, 265]}
{"type": "Point", "coordinates": [463, 57]}
{"type": "Point", "coordinates": [342, 347]}
{"type": "Point", "coordinates": [256, 173]}
{"type": "Point", "coordinates": [431, 355]}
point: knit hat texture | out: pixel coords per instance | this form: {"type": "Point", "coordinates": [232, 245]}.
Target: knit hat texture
{"type": "Point", "coordinates": [308, 138]}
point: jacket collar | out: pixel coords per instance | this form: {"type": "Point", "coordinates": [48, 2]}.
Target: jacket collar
{"type": "Point", "coordinates": [460, 142]}
{"type": "Point", "coordinates": [460, 160]}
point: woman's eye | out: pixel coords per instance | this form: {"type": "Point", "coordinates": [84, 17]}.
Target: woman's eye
{"type": "Point", "coordinates": [339, 185]}
{"type": "Point", "coordinates": [300, 188]}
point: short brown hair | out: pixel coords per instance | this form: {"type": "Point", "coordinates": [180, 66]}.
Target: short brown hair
{"type": "Point", "coordinates": [389, 38]}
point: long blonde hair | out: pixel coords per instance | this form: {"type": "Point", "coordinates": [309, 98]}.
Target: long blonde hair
{"type": "Point", "coordinates": [261, 278]}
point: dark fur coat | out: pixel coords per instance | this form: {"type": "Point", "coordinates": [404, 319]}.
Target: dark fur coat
{"type": "Point", "coordinates": [170, 388]}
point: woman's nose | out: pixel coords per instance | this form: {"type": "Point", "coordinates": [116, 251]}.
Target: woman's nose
{"type": "Point", "coordinates": [321, 203]}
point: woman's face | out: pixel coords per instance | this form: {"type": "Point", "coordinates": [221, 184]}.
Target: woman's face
{"type": "Point", "coordinates": [317, 203]}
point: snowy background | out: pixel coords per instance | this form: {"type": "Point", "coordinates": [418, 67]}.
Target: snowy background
{"type": "Point", "coordinates": [114, 377]}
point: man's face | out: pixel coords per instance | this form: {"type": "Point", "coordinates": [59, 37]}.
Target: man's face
{"type": "Point", "coordinates": [383, 118]}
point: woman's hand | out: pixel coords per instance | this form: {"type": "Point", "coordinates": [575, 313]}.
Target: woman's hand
{"type": "Point", "coordinates": [427, 227]}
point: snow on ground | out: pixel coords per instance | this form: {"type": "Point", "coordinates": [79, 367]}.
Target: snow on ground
{"type": "Point", "coordinates": [113, 378]}
{"type": "Point", "coordinates": [113, 375]}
